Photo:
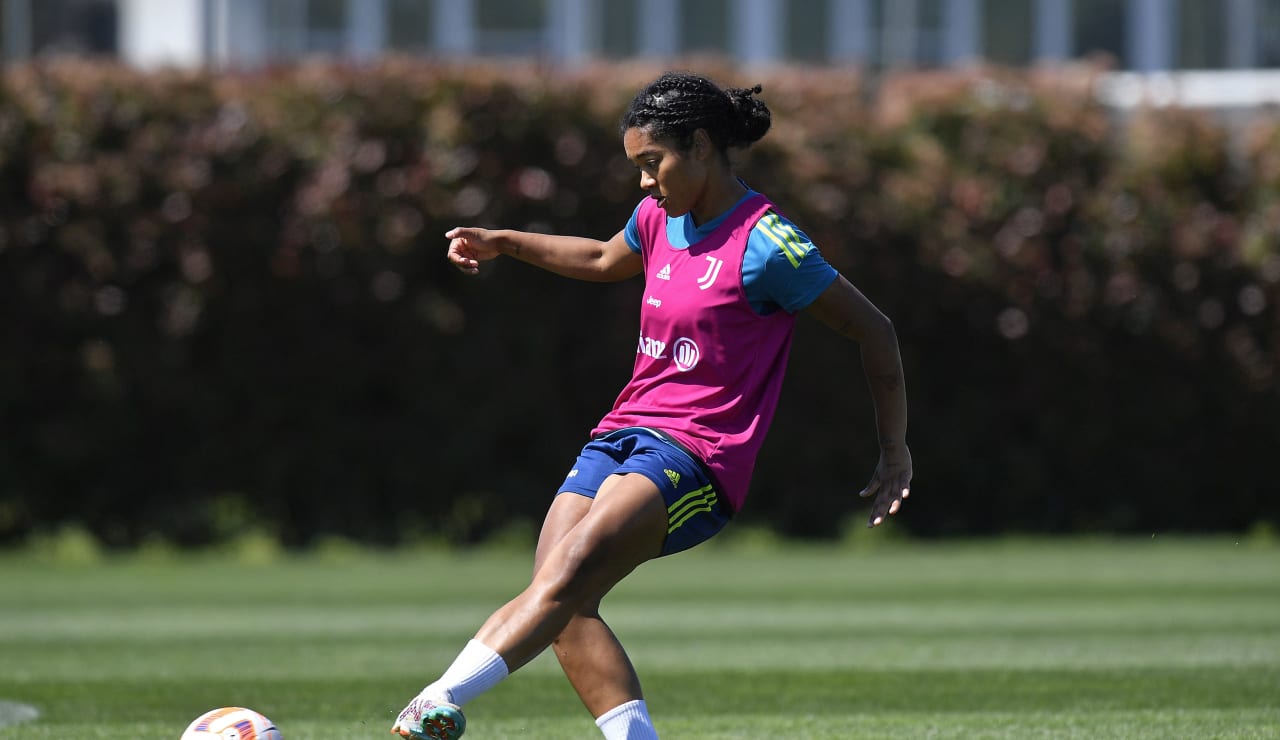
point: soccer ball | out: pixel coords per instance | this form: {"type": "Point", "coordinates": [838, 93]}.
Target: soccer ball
{"type": "Point", "coordinates": [232, 723]}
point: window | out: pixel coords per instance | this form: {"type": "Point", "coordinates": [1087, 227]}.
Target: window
{"type": "Point", "coordinates": [73, 27]}
{"type": "Point", "coordinates": [511, 27]}
{"type": "Point", "coordinates": [299, 27]}
{"type": "Point", "coordinates": [286, 27]}
{"type": "Point", "coordinates": [1201, 35]}
{"type": "Point", "coordinates": [1268, 33]}
{"type": "Point", "coordinates": [326, 26]}
{"type": "Point", "coordinates": [1007, 31]}
{"type": "Point", "coordinates": [806, 22]}
{"type": "Point", "coordinates": [931, 33]}
{"type": "Point", "coordinates": [1100, 27]}
{"type": "Point", "coordinates": [895, 31]}
{"type": "Point", "coordinates": [409, 26]}
{"type": "Point", "coordinates": [619, 37]}
{"type": "Point", "coordinates": [705, 26]}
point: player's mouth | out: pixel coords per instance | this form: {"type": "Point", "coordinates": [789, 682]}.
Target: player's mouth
{"type": "Point", "coordinates": [662, 200]}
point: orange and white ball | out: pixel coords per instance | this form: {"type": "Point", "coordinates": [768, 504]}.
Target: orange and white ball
{"type": "Point", "coordinates": [232, 723]}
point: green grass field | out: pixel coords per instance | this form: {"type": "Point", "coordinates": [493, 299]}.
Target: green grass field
{"type": "Point", "coordinates": [1004, 639]}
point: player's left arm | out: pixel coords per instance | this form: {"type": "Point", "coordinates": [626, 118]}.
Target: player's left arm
{"type": "Point", "coordinates": [851, 314]}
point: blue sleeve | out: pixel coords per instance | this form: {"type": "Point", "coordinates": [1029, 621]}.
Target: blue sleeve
{"type": "Point", "coordinates": [782, 268]}
{"type": "Point", "coordinates": [632, 232]}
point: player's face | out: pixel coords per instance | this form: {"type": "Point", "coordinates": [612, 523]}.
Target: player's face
{"type": "Point", "coordinates": [676, 179]}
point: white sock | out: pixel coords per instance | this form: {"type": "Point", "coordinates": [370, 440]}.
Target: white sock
{"type": "Point", "coordinates": [628, 721]}
{"type": "Point", "coordinates": [476, 670]}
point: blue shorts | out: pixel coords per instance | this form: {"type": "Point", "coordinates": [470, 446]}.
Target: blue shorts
{"type": "Point", "coordinates": [694, 511]}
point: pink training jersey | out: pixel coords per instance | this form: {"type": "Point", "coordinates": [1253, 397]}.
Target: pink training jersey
{"type": "Point", "coordinates": [708, 368]}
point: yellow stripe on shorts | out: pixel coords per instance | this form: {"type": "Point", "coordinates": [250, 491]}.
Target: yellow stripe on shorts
{"type": "Point", "coordinates": [689, 505]}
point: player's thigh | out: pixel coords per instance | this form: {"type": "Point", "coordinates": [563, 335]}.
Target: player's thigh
{"type": "Point", "coordinates": [567, 509]}
{"type": "Point", "coordinates": [624, 527]}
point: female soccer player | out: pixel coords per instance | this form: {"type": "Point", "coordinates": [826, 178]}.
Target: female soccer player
{"type": "Point", "coordinates": [725, 275]}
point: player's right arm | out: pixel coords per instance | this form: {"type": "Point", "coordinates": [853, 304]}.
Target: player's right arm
{"type": "Point", "coordinates": [571, 256]}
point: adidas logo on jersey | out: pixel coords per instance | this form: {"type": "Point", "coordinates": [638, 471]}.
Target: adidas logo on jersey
{"type": "Point", "coordinates": [664, 273]}
{"type": "Point", "coordinates": [673, 476]}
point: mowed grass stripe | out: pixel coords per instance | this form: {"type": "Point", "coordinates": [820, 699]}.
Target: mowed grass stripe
{"type": "Point", "coordinates": [807, 692]}
{"type": "Point", "coordinates": [829, 700]}
{"type": "Point", "coordinates": [947, 618]}
{"type": "Point", "coordinates": [1006, 640]}
{"type": "Point", "coordinates": [387, 655]}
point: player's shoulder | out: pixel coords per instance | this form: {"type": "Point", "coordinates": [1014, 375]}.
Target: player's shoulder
{"type": "Point", "coordinates": [775, 238]}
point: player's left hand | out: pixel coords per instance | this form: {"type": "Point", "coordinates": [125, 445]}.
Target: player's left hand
{"type": "Point", "coordinates": [890, 484]}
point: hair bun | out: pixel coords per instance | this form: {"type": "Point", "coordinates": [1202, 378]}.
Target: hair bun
{"type": "Point", "coordinates": [753, 113]}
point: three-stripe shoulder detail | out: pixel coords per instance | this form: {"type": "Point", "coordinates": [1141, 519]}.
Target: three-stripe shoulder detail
{"type": "Point", "coordinates": [782, 234]}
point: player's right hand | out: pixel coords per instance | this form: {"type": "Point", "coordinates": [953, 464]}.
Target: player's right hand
{"type": "Point", "coordinates": [468, 247]}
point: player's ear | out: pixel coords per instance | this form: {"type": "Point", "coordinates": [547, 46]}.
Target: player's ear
{"type": "Point", "coordinates": [702, 144]}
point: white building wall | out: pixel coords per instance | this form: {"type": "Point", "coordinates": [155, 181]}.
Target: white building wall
{"type": "Point", "coordinates": [162, 33]}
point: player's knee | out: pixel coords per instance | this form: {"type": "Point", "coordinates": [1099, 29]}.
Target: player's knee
{"type": "Point", "coordinates": [579, 580]}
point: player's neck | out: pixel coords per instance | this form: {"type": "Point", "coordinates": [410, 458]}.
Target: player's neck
{"type": "Point", "coordinates": [722, 194]}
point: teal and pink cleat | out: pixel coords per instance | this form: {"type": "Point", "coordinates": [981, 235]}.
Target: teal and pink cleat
{"type": "Point", "coordinates": [427, 719]}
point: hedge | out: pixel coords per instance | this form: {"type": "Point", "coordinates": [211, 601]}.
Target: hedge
{"type": "Point", "coordinates": [224, 301]}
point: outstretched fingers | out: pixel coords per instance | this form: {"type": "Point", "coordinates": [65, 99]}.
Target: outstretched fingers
{"type": "Point", "coordinates": [888, 500]}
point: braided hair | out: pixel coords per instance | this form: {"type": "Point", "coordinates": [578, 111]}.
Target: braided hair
{"type": "Point", "coordinates": [677, 104]}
